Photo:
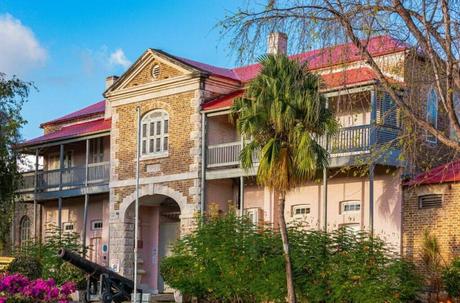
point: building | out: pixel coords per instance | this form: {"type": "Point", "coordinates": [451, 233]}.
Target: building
{"type": "Point", "coordinates": [431, 204]}
{"type": "Point", "coordinates": [189, 157]}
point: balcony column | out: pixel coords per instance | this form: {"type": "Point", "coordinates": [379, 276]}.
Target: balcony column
{"type": "Point", "coordinates": [35, 194]}
{"type": "Point", "coordinates": [372, 142]}
{"type": "Point", "coordinates": [61, 168]}
{"type": "Point", "coordinates": [204, 148]}
{"type": "Point", "coordinates": [241, 195]}
{"type": "Point", "coordinates": [325, 176]}
{"type": "Point", "coordinates": [85, 208]}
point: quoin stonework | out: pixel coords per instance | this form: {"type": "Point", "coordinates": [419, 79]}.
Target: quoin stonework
{"type": "Point", "coordinates": [189, 158]}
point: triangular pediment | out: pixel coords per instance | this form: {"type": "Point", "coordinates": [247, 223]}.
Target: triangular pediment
{"type": "Point", "coordinates": [153, 66]}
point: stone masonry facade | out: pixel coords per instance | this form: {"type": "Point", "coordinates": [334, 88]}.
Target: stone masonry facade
{"type": "Point", "coordinates": [441, 222]}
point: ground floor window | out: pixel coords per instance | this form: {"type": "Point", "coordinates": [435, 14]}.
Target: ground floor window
{"type": "Point", "coordinates": [24, 229]}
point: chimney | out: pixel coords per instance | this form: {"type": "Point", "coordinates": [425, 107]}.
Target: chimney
{"type": "Point", "coordinates": [110, 80]}
{"type": "Point", "coordinates": [277, 43]}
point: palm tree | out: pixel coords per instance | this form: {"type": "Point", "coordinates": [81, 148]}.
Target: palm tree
{"type": "Point", "coordinates": [282, 112]}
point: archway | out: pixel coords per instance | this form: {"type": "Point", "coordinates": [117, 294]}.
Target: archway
{"type": "Point", "coordinates": [159, 228]}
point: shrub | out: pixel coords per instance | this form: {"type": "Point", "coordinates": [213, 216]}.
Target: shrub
{"type": "Point", "coordinates": [45, 251]}
{"type": "Point", "coordinates": [451, 279]}
{"type": "Point", "coordinates": [28, 266]}
{"type": "Point", "coordinates": [17, 288]}
{"type": "Point", "coordinates": [229, 260]}
{"type": "Point", "coordinates": [226, 259]}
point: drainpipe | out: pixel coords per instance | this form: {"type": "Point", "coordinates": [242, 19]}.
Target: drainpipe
{"type": "Point", "coordinates": [35, 193]}
{"type": "Point", "coordinates": [372, 142]}
{"type": "Point", "coordinates": [203, 163]}
{"type": "Point", "coordinates": [325, 176]}
{"type": "Point", "coordinates": [136, 205]}
{"type": "Point", "coordinates": [61, 168]}
{"type": "Point", "coordinates": [85, 209]}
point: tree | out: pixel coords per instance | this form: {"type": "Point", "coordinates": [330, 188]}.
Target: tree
{"type": "Point", "coordinates": [282, 112]}
{"type": "Point", "coordinates": [13, 93]}
{"type": "Point", "coordinates": [430, 27]}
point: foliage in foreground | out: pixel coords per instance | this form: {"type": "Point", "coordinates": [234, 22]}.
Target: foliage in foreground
{"type": "Point", "coordinates": [451, 279]}
{"type": "Point", "coordinates": [13, 93]}
{"type": "Point", "coordinates": [45, 252]}
{"type": "Point", "coordinates": [17, 288]}
{"type": "Point", "coordinates": [227, 259]}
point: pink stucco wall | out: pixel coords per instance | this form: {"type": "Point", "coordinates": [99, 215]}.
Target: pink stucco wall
{"type": "Point", "coordinates": [221, 193]}
{"type": "Point", "coordinates": [72, 211]}
{"type": "Point", "coordinates": [387, 202]}
{"type": "Point", "coordinates": [148, 252]}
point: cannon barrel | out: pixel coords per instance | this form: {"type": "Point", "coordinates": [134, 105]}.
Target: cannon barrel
{"type": "Point", "coordinates": [92, 268]}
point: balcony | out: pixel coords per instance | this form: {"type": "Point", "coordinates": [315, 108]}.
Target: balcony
{"type": "Point", "coordinates": [349, 141]}
{"type": "Point", "coordinates": [72, 178]}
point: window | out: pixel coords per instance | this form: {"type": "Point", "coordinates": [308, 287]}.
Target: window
{"type": "Point", "coordinates": [96, 150]}
{"type": "Point", "coordinates": [96, 225]}
{"type": "Point", "coordinates": [68, 227]}
{"type": "Point", "coordinates": [155, 129]}
{"type": "Point", "coordinates": [24, 229]}
{"type": "Point", "coordinates": [253, 215]}
{"type": "Point", "coordinates": [54, 161]}
{"type": "Point", "coordinates": [453, 133]}
{"type": "Point", "coordinates": [300, 210]}
{"type": "Point", "coordinates": [350, 206]}
{"type": "Point", "coordinates": [430, 201]}
{"type": "Point", "coordinates": [432, 113]}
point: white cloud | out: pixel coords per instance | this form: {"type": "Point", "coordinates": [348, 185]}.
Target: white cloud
{"type": "Point", "coordinates": [118, 57]}
{"type": "Point", "coordinates": [20, 51]}
{"type": "Point", "coordinates": [103, 60]}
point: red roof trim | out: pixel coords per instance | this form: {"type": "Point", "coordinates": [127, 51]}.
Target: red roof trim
{"type": "Point", "coordinates": [91, 110]}
{"type": "Point", "coordinates": [445, 173]}
{"type": "Point", "coordinates": [222, 101]}
{"type": "Point", "coordinates": [73, 131]}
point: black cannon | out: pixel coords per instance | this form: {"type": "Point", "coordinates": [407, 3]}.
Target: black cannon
{"type": "Point", "coordinates": [102, 284]}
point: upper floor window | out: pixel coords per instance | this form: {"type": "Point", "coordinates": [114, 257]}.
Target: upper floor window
{"type": "Point", "coordinates": [432, 113]}
{"type": "Point", "coordinates": [24, 229]}
{"type": "Point", "coordinates": [54, 160]}
{"type": "Point", "coordinates": [96, 150]}
{"type": "Point", "coordinates": [155, 133]}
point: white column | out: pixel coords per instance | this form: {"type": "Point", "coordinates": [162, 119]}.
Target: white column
{"type": "Point", "coordinates": [61, 169]}
{"type": "Point", "coordinates": [85, 208]}
{"type": "Point", "coordinates": [35, 194]}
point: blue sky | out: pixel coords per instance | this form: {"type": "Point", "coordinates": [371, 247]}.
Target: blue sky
{"type": "Point", "coordinates": [67, 48]}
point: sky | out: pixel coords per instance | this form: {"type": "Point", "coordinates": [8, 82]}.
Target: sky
{"type": "Point", "coordinates": [68, 48]}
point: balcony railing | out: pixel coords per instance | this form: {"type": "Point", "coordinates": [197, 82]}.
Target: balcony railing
{"type": "Point", "coordinates": [348, 140]}
{"type": "Point", "coordinates": [73, 177]}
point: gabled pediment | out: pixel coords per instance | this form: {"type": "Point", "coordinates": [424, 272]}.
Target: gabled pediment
{"type": "Point", "coordinates": [153, 66]}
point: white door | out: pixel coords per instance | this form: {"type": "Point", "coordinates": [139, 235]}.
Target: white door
{"type": "Point", "coordinates": [169, 233]}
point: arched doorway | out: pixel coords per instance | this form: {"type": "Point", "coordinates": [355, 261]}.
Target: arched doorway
{"type": "Point", "coordinates": [159, 228]}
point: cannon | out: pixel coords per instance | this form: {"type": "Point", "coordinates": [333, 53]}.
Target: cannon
{"type": "Point", "coordinates": [102, 284]}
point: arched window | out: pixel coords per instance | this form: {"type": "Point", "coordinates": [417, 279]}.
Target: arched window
{"type": "Point", "coordinates": [432, 113]}
{"type": "Point", "coordinates": [155, 129]}
{"type": "Point", "coordinates": [24, 229]}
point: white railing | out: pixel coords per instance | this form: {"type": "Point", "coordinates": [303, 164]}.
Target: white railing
{"type": "Point", "coordinates": [72, 177]}
{"type": "Point", "coordinates": [347, 140]}
{"type": "Point", "coordinates": [226, 154]}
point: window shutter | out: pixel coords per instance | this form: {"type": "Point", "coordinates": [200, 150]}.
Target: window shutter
{"type": "Point", "coordinates": [430, 201]}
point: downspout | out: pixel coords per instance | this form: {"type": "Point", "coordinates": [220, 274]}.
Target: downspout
{"type": "Point", "coordinates": [203, 163]}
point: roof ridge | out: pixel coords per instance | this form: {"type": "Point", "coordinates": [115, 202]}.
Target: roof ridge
{"type": "Point", "coordinates": [92, 109]}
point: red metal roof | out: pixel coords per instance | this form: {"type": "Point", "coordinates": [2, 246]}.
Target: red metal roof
{"type": "Point", "coordinates": [449, 172]}
{"type": "Point", "coordinates": [349, 77]}
{"type": "Point", "coordinates": [317, 59]}
{"type": "Point", "coordinates": [222, 101]}
{"type": "Point", "coordinates": [326, 57]}
{"type": "Point", "coordinates": [332, 80]}
{"type": "Point", "coordinates": [93, 109]}
{"type": "Point", "coordinates": [73, 131]}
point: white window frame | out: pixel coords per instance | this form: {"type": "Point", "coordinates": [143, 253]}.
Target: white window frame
{"type": "Point", "coordinates": [254, 214]}
{"type": "Point", "coordinates": [432, 92]}
{"type": "Point", "coordinates": [93, 225]}
{"type": "Point", "coordinates": [300, 206]}
{"type": "Point", "coordinates": [150, 138]}
{"type": "Point", "coordinates": [65, 225]}
{"type": "Point", "coordinates": [24, 229]}
{"type": "Point", "coordinates": [344, 204]}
